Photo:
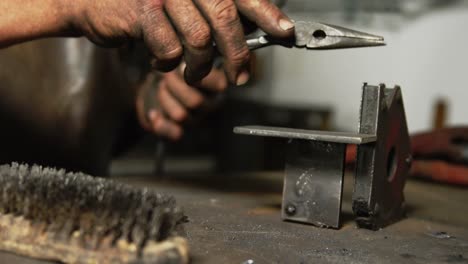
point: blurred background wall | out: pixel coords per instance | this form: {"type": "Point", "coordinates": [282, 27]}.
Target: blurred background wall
{"type": "Point", "coordinates": [426, 54]}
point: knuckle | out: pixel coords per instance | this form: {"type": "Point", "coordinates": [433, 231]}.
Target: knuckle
{"type": "Point", "coordinates": [199, 36]}
{"type": "Point", "coordinates": [167, 61]}
{"type": "Point", "coordinates": [174, 52]}
{"type": "Point", "coordinates": [179, 115]}
{"type": "Point", "coordinates": [195, 102]}
{"type": "Point", "coordinates": [262, 6]}
{"type": "Point", "coordinates": [158, 122]}
{"type": "Point", "coordinates": [270, 10]}
{"type": "Point", "coordinates": [223, 84]}
{"type": "Point", "coordinates": [160, 92]}
{"type": "Point", "coordinates": [159, 126]}
{"type": "Point", "coordinates": [225, 12]}
{"type": "Point", "coordinates": [240, 56]}
{"type": "Point", "coordinates": [151, 7]}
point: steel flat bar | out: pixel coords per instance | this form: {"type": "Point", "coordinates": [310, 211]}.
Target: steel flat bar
{"type": "Point", "coordinates": [324, 136]}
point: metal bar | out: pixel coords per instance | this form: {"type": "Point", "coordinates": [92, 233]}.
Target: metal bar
{"type": "Point", "coordinates": [381, 168]}
{"type": "Point", "coordinates": [324, 136]}
{"type": "Point", "coordinates": [315, 165]}
{"type": "Point", "coordinates": [371, 105]}
{"type": "Point", "coordinates": [313, 184]}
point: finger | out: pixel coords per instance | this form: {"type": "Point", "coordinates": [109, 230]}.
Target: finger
{"type": "Point", "coordinates": [145, 100]}
{"type": "Point", "coordinates": [196, 36]}
{"type": "Point", "coordinates": [160, 37]}
{"type": "Point", "coordinates": [267, 16]}
{"type": "Point", "coordinates": [170, 105]}
{"type": "Point", "coordinates": [440, 171]}
{"type": "Point", "coordinates": [215, 81]}
{"type": "Point", "coordinates": [229, 36]}
{"type": "Point", "coordinates": [142, 116]}
{"type": "Point", "coordinates": [249, 26]}
{"type": "Point", "coordinates": [164, 127]}
{"type": "Point", "coordinates": [185, 94]}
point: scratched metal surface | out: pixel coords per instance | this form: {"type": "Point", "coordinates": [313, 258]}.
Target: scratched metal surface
{"type": "Point", "coordinates": [236, 218]}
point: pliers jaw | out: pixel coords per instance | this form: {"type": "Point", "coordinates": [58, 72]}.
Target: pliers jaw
{"type": "Point", "coordinates": [313, 35]}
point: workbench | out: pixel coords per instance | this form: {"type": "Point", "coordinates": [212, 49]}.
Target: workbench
{"type": "Point", "coordinates": [236, 219]}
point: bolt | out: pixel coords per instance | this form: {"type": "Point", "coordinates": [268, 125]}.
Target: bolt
{"type": "Point", "coordinates": [290, 210]}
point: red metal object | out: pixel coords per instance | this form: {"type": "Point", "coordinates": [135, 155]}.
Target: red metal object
{"type": "Point", "coordinates": [441, 171]}
{"type": "Point", "coordinates": [441, 144]}
{"type": "Point", "coordinates": [351, 152]}
{"type": "Point", "coordinates": [438, 155]}
{"type": "Point", "coordinates": [441, 155]}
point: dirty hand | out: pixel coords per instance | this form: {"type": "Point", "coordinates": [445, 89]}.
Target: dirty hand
{"type": "Point", "coordinates": [173, 29]}
{"type": "Point", "coordinates": [175, 100]}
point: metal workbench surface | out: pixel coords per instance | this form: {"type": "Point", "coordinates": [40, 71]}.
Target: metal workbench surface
{"type": "Point", "coordinates": [236, 218]}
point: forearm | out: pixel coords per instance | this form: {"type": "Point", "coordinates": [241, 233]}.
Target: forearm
{"type": "Point", "coordinates": [23, 20]}
{"type": "Point", "coordinates": [171, 29]}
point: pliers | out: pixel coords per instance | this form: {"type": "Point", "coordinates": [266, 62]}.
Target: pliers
{"type": "Point", "coordinates": [314, 35]}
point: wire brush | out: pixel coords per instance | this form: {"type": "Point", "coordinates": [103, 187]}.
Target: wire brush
{"type": "Point", "coordinates": [75, 218]}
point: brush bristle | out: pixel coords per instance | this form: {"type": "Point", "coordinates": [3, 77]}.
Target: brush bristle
{"type": "Point", "coordinates": [99, 213]}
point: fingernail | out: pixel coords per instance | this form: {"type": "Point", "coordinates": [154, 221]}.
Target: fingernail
{"type": "Point", "coordinates": [286, 24]}
{"type": "Point", "coordinates": [243, 78]}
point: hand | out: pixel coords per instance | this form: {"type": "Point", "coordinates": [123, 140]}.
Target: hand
{"type": "Point", "coordinates": [173, 29]}
{"type": "Point", "coordinates": [174, 101]}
